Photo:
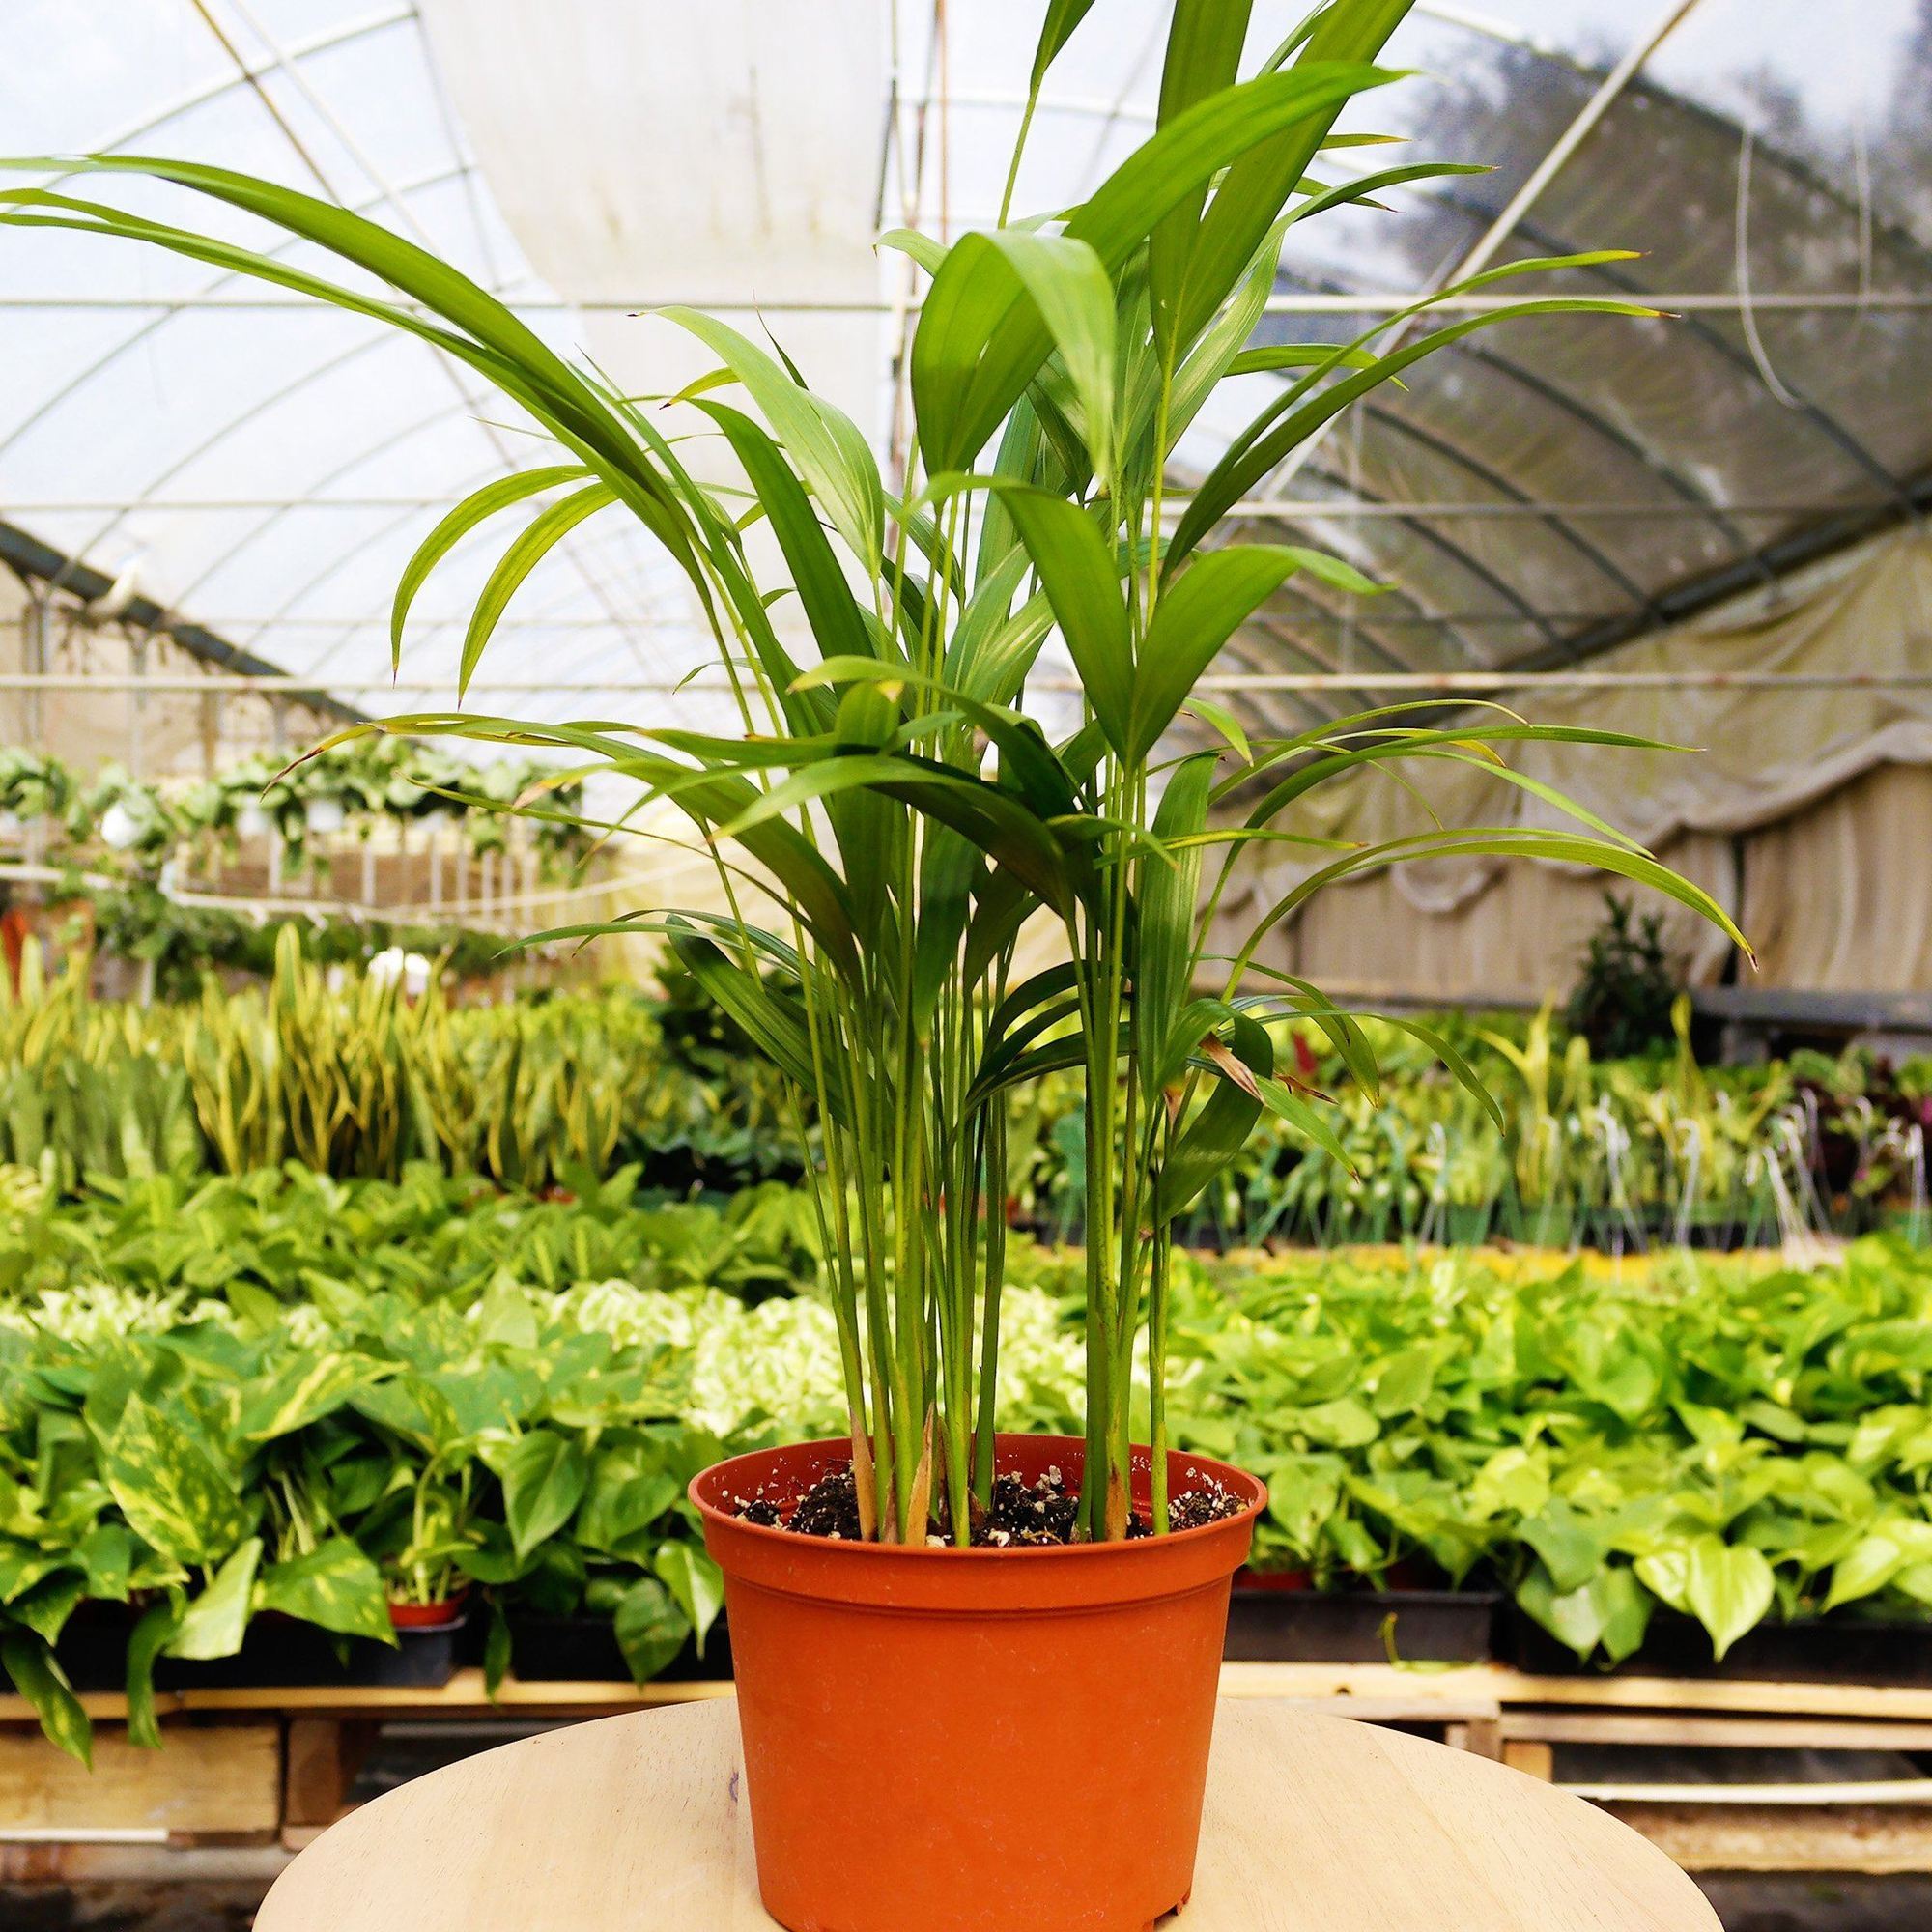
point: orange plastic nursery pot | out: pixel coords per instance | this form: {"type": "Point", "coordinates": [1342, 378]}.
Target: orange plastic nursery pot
{"type": "Point", "coordinates": [443, 1616]}
{"type": "Point", "coordinates": [973, 1740]}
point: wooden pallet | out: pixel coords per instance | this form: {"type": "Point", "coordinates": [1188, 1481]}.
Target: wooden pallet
{"type": "Point", "coordinates": [249, 1776]}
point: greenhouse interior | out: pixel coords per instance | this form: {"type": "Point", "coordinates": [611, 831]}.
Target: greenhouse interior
{"type": "Point", "coordinates": [967, 965]}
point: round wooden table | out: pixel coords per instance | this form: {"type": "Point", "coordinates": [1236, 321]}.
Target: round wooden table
{"type": "Point", "coordinates": [1314, 1824]}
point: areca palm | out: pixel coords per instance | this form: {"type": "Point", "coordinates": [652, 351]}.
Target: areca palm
{"type": "Point", "coordinates": [889, 815]}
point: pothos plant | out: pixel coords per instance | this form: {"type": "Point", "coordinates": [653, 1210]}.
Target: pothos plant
{"type": "Point", "coordinates": [891, 813]}
{"type": "Point", "coordinates": [34, 785]}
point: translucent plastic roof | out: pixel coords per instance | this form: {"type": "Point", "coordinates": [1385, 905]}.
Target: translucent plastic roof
{"type": "Point", "coordinates": [1536, 494]}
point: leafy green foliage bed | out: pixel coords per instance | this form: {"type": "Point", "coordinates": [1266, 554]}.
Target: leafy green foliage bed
{"type": "Point", "coordinates": [357, 1081]}
{"type": "Point", "coordinates": [1732, 1441]}
{"type": "Point", "coordinates": [290, 1235]}
{"type": "Point", "coordinates": [1618, 1153]}
{"type": "Point", "coordinates": [286, 1392]}
{"type": "Point", "coordinates": [354, 1080]}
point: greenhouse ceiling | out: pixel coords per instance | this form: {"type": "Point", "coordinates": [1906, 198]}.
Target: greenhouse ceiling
{"type": "Point", "coordinates": [261, 469]}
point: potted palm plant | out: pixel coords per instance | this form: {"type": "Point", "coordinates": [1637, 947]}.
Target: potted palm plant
{"type": "Point", "coordinates": [996, 1654]}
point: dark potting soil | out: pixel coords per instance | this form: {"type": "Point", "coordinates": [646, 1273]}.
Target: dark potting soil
{"type": "Point", "coordinates": [829, 1507]}
{"type": "Point", "coordinates": [1197, 1508]}
{"type": "Point", "coordinates": [1038, 1515]}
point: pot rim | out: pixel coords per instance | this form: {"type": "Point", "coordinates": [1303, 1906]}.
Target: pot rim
{"type": "Point", "coordinates": [839, 1448]}
{"type": "Point", "coordinates": [428, 1619]}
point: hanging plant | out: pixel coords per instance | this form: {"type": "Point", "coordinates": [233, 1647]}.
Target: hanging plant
{"type": "Point", "coordinates": [250, 800]}
{"type": "Point", "coordinates": [35, 786]}
{"type": "Point", "coordinates": [127, 816]}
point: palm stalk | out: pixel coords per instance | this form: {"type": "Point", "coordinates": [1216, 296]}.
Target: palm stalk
{"type": "Point", "coordinates": [898, 812]}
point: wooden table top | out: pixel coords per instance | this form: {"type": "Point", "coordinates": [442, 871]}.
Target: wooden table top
{"type": "Point", "coordinates": [1313, 1824]}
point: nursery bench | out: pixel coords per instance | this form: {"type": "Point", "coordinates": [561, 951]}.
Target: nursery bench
{"type": "Point", "coordinates": [249, 1776]}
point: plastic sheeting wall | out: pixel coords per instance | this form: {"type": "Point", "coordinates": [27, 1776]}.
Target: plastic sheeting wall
{"type": "Point", "coordinates": [1839, 899]}
{"type": "Point", "coordinates": [1520, 939]}
{"type": "Point", "coordinates": [13, 657]}
{"type": "Point", "coordinates": [1806, 812]}
{"type": "Point", "coordinates": [1835, 899]}
{"type": "Point", "coordinates": [156, 736]}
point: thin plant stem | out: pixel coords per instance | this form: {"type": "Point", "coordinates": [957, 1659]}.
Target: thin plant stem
{"type": "Point", "coordinates": [1019, 150]}
{"type": "Point", "coordinates": [1159, 1263]}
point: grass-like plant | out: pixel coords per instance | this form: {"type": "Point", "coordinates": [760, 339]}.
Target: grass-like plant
{"type": "Point", "coordinates": [889, 816]}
